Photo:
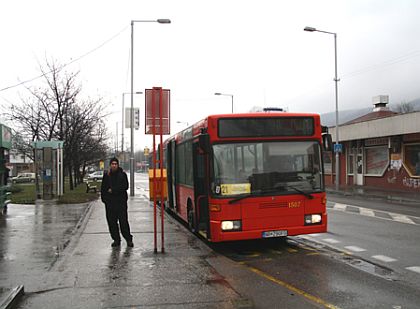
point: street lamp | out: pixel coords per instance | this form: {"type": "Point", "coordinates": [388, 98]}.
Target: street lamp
{"type": "Point", "coordinates": [160, 21]}
{"type": "Point", "coordinates": [336, 80]}
{"type": "Point", "coordinates": [122, 118]}
{"type": "Point", "coordinates": [225, 94]}
{"type": "Point", "coordinates": [183, 122]}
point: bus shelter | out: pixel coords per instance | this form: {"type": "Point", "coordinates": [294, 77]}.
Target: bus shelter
{"type": "Point", "coordinates": [5, 145]}
{"type": "Point", "coordinates": [49, 169]}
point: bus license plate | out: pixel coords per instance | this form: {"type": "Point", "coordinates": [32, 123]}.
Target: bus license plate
{"type": "Point", "coordinates": [269, 234]}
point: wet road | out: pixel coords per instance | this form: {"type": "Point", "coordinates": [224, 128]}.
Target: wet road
{"type": "Point", "coordinates": [368, 259]}
{"type": "Point", "coordinates": [32, 237]}
{"type": "Point", "coordinates": [332, 279]}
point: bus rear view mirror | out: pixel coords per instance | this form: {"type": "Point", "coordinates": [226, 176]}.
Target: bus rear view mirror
{"type": "Point", "coordinates": [327, 142]}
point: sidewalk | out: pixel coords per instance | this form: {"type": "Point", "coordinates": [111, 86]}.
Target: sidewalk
{"type": "Point", "coordinates": [376, 193]}
{"type": "Point", "coordinates": [94, 275]}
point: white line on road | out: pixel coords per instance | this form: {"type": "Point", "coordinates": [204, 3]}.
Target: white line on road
{"type": "Point", "coordinates": [401, 218]}
{"type": "Point", "coordinates": [414, 268]}
{"type": "Point", "coordinates": [339, 206]}
{"type": "Point", "coordinates": [331, 240]}
{"type": "Point", "coordinates": [366, 212]}
{"type": "Point", "coordinates": [384, 258]}
{"type": "Point", "coordinates": [355, 249]}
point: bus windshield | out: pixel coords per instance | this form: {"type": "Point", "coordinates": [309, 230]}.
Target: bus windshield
{"type": "Point", "coordinates": [262, 168]}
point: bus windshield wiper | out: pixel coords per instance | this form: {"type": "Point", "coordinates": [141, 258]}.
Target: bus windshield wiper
{"type": "Point", "coordinates": [253, 193]}
{"type": "Point", "coordinates": [241, 197]}
{"type": "Point", "coordinates": [308, 195]}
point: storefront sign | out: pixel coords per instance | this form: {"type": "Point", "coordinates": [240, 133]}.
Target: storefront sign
{"type": "Point", "coordinates": [376, 141]}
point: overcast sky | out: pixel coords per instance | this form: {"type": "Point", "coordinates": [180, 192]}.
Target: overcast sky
{"type": "Point", "coordinates": [255, 50]}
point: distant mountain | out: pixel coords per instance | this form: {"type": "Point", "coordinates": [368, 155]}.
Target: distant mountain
{"type": "Point", "coordinates": [328, 119]}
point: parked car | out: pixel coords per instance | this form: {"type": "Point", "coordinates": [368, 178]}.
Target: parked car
{"type": "Point", "coordinates": [95, 176]}
{"type": "Point", "coordinates": [24, 177]}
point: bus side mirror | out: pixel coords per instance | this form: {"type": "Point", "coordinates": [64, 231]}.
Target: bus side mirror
{"type": "Point", "coordinates": [327, 142]}
{"type": "Point", "coordinates": [204, 142]}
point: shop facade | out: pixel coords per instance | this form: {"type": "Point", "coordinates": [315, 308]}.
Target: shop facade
{"type": "Point", "coordinates": [380, 150]}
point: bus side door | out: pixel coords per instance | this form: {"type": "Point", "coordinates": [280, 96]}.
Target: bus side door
{"type": "Point", "coordinates": [201, 189]}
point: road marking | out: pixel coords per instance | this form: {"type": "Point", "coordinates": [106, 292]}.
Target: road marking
{"type": "Point", "coordinates": [339, 206]}
{"type": "Point", "coordinates": [355, 249]}
{"type": "Point", "coordinates": [370, 213]}
{"type": "Point", "coordinates": [314, 235]}
{"type": "Point", "coordinates": [383, 258]}
{"type": "Point", "coordinates": [401, 218]}
{"type": "Point", "coordinates": [293, 288]}
{"type": "Point", "coordinates": [414, 268]}
{"type": "Point", "coordinates": [331, 240]}
{"type": "Point", "coordinates": [366, 212]}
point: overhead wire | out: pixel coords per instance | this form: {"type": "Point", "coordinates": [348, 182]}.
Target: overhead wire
{"type": "Point", "coordinates": [67, 64]}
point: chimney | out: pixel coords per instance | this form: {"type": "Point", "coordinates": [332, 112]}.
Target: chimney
{"type": "Point", "coordinates": [380, 102]}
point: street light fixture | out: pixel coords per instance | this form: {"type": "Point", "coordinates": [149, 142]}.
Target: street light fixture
{"type": "Point", "coordinates": [160, 21]}
{"type": "Point", "coordinates": [225, 94]}
{"type": "Point", "coordinates": [183, 122]}
{"type": "Point", "coordinates": [336, 80]}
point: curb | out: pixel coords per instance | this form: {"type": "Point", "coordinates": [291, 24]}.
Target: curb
{"type": "Point", "coordinates": [11, 300]}
{"type": "Point", "coordinates": [385, 197]}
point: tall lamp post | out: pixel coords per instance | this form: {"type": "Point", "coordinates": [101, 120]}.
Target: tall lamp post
{"type": "Point", "coordinates": [336, 80]}
{"type": "Point", "coordinates": [160, 21]}
{"type": "Point", "coordinates": [225, 94]}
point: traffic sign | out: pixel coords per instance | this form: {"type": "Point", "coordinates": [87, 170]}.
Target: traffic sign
{"type": "Point", "coordinates": [338, 148]}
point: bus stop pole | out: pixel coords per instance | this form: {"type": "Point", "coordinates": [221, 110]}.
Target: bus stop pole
{"type": "Point", "coordinates": [154, 172]}
{"type": "Point", "coordinates": [162, 204]}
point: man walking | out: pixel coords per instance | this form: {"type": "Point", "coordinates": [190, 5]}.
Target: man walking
{"type": "Point", "coordinates": [114, 195]}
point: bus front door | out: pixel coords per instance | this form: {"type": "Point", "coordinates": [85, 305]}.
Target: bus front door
{"type": "Point", "coordinates": [170, 165]}
{"type": "Point", "coordinates": [201, 191]}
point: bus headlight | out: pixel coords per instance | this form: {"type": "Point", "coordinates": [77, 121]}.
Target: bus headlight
{"type": "Point", "coordinates": [234, 225]}
{"type": "Point", "coordinates": [313, 219]}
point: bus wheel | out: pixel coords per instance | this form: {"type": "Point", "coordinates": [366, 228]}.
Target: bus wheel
{"type": "Point", "coordinates": [191, 220]}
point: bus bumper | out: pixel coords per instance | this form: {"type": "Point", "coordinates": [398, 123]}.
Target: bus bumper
{"type": "Point", "coordinates": [217, 235]}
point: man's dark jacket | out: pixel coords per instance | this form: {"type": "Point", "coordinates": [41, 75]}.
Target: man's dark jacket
{"type": "Point", "coordinates": [118, 182]}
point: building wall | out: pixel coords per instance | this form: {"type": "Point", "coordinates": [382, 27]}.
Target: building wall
{"type": "Point", "coordinates": [391, 162]}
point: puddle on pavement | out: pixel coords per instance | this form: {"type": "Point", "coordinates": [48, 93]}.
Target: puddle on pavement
{"type": "Point", "coordinates": [370, 268]}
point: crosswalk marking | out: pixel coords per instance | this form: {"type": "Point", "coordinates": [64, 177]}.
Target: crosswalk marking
{"type": "Point", "coordinates": [414, 268]}
{"type": "Point", "coordinates": [384, 258]}
{"type": "Point", "coordinates": [355, 249]}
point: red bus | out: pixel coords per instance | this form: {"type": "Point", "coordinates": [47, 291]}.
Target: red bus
{"type": "Point", "coordinates": [249, 176]}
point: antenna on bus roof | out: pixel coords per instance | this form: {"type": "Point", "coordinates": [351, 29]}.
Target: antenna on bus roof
{"type": "Point", "coordinates": [273, 109]}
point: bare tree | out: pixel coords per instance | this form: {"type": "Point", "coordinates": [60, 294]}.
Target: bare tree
{"type": "Point", "coordinates": [404, 108]}
{"type": "Point", "coordinates": [54, 111]}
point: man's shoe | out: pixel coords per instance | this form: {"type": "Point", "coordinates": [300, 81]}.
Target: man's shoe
{"type": "Point", "coordinates": [130, 244]}
{"type": "Point", "coordinates": [115, 244]}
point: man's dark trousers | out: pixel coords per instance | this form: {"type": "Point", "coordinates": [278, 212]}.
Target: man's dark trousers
{"type": "Point", "coordinates": [115, 214]}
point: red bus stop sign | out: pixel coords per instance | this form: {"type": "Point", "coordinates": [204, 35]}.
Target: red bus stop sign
{"type": "Point", "coordinates": [157, 111]}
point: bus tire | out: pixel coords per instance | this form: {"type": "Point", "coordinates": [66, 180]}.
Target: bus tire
{"type": "Point", "coordinates": [191, 219]}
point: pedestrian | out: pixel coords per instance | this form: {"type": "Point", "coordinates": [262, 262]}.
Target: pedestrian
{"type": "Point", "coordinates": [114, 195]}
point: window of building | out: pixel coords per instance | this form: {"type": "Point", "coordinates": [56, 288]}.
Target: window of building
{"type": "Point", "coordinates": [327, 157]}
{"type": "Point", "coordinates": [412, 159]}
{"type": "Point", "coordinates": [377, 160]}
{"type": "Point", "coordinates": [350, 162]}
